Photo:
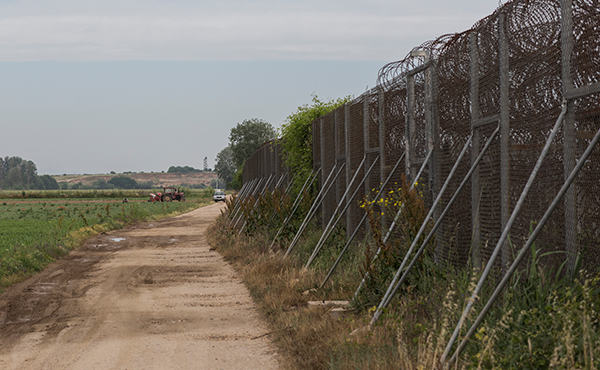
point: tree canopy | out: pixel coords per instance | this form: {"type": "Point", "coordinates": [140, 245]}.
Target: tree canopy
{"type": "Point", "coordinates": [225, 165]}
{"type": "Point", "coordinates": [123, 182]}
{"type": "Point", "coordinates": [17, 173]}
{"type": "Point", "coordinates": [246, 137]}
{"type": "Point", "coordinates": [50, 182]}
{"type": "Point", "coordinates": [296, 138]}
{"type": "Point", "coordinates": [183, 169]}
{"type": "Point", "coordinates": [296, 132]}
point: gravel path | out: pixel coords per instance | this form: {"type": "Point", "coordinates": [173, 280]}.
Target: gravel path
{"type": "Point", "coordinates": [152, 296]}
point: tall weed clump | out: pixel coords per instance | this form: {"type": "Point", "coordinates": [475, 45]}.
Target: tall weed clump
{"type": "Point", "coordinates": [267, 213]}
{"type": "Point", "coordinates": [404, 207]}
{"type": "Point", "coordinates": [546, 319]}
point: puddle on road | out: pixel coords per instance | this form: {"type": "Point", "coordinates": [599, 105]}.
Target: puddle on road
{"type": "Point", "coordinates": [43, 288]}
{"type": "Point", "coordinates": [17, 321]}
{"type": "Point", "coordinates": [81, 260]}
{"type": "Point", "coordinates": [117, 239]}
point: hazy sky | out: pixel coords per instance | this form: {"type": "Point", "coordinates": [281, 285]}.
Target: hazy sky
{"type": "Point", "coordinates": [132, 85]}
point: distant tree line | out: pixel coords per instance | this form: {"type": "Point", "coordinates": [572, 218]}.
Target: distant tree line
{"type": "Point", "coordinates": [185, 169]}
{"type": "Point", "coordinates": [212, 184]}
{"type": "Point", "coordinates": [17, 173]}
{"type": "Point", "coordinates": [117, 182]}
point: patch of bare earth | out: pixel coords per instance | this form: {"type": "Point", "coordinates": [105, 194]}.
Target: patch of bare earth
{"type": "Point", "coordinates": [152, 296]}
{"type": "Point", "coordinates": [158, 179]}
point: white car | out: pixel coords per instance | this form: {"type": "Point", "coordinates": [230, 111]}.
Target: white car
{"type": "Point", "coordinates": [219, 195]}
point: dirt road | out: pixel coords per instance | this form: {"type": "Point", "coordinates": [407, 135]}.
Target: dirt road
{"type": "Point", "coordinates": [153, 296]}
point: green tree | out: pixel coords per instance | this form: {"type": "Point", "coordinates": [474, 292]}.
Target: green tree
{"type": "Point", "coordinates": [296, 133]}
{"type": "Point", "coordinates": [102, 184]}
{"type": "Point", "coordinates": [236, 183]}
{"type": "Point", "coordinates": [225, 165]}
{"type": "Point", "coordinates": [246, 137]}
{"type": "Point", "coordinates": [13, 179]}
{"type": "Point", "coordinates": [123, 182]}
{"type": "Point", "coordinates": [182, 169]}
{"type": "Point", "coordinates": [49, 182]}
{"type": "Point", "coordinates": [18, 173]}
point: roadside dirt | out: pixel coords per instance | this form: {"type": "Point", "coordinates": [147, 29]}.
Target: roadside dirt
{"type": "Point", "coordinates": [152, 296]}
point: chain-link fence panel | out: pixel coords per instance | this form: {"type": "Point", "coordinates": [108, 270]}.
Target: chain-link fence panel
{"type": "Point", "coordinates": [508, 74]}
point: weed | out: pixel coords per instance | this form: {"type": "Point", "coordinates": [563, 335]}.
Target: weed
{"type": "Point", "coordinates": [545, 319]}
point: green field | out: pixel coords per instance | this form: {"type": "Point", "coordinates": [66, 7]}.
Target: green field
{"type": "Point", "coordinates": [115, 194]}
{"type": "Point", "coordinates": [36, 231]}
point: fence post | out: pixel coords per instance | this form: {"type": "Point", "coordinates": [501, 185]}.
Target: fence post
{"type": "Point", "coordinates": [410, 128]}
{"type": "Point", "coordinates": [351, 212]}
{"type": "Point", "coordinates": [336, 154]}
{"type": "Point", "coordinates": [570, 199]}
{"type": "Point", "coordinates": [430, 128]}
{"type": "Point", "coordinates": [475, 184]}
{"type": "Point", "coordinates": [366, 137]}
{"type": "Point", "coordinates": [504, 133]}
{"type": "Point", "coordinates": [322, 150]}
{"type": "Point", "coordinates": [273, 161]}
{"type": "Point", "coordinates": [433, 139]}
{"type": "Point", "coordinates": [382, 154]}
{"type": "Point", "coordinates": [366, 144]}
{"type": "Point", "coordinates": [524, 251]}
{"type": "Point", "coordinates": [382, 135]}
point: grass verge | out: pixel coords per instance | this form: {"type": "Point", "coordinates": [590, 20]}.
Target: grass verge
{"type": "Point", "coordinates": [545, 320]}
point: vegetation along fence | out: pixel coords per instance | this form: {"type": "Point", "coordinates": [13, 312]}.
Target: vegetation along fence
{"type": "Point", "coordinates": [497, 126]}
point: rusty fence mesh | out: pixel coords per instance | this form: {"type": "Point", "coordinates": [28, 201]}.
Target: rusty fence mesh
{"type": "Point", "coordinates": [512, 70]}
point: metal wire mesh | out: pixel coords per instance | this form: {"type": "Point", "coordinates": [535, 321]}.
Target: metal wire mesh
{"type": "Point", "coordinates": [511, 68]}
{"type": "Point", "coordinates": [328, 160]}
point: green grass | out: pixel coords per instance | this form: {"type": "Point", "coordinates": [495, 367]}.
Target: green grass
{"type": "Point", "coordinates": [545, 318]}
{"type": "Point", "coordinates": [32, 235]}
{"type": "Point", "coordinates": [117, 194]}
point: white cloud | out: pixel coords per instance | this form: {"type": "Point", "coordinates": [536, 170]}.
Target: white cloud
{"type": "Point", "coordinates": [225, 30]}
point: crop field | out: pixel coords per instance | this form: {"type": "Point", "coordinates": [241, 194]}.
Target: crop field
{"type": "Point", "coordinates": [36, 230]}
{"type": "Point", "coordinates": [88, 194]}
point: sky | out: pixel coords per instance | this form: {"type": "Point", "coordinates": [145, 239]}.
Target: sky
{"type": "Point", "coordinates": [142, 85]}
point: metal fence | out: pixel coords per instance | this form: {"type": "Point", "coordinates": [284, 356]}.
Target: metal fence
{"type": "Point", "coordinates": [498, 87]}
{"type": "Point", "coordinates": [266, 162]}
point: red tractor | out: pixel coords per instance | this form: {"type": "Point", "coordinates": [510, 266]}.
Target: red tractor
{"type": "Point", "coordinates": [168, 195]}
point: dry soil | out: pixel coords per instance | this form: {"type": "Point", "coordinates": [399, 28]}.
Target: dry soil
{"type": "Point", "coordinates": [152, 296]}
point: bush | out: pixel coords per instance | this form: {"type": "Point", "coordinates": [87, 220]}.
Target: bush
{"type": "Point", "coordinates": [296, 133]}
{"type": "Point", "coordinates": [183, 169]}
{"type": "Point", "coordinates": [123, 182]}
